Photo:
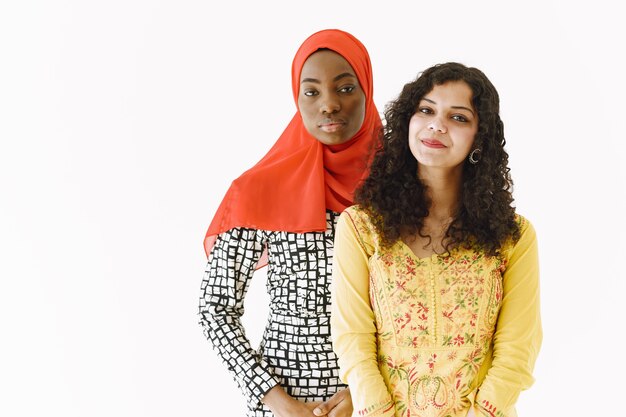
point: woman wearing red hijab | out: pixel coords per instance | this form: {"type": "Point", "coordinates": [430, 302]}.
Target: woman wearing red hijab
{"type": "Point", "coordinates": [282, 212]}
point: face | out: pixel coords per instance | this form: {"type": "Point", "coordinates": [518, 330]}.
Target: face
{"type": "Point", "coordinates": [442, 130]}
{"type": "Point", "coordinates": [331, 101]}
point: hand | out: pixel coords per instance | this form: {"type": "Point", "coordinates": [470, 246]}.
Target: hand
{"type": "Point", "coordinates": [339, 405]}
{"type": "Point", "coordinates": [312, 405]}
{"type": "Point", "coordinates": [283, 405]}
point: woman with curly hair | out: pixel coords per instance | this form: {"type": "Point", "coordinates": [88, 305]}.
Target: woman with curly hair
{"type": "Point", "coordinates": [436, 278]}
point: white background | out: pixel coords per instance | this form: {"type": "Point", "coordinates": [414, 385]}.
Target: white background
{"type": "Point", "coordinates": [122, 123]}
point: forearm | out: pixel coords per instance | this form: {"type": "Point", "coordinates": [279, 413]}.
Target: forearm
{"type": "Point", "coordinates": [353, 324]}
{"type": "Point", "coordinates": [247, 367]}
{"type": "Point", "coordinates": [224, 286]}
{"type": "Point", "coordinates": [518, 334]}
{"type": "Point", "coordinates": [370, 395]}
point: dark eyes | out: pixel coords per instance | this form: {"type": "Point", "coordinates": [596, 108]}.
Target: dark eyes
{"type": "Point", "coordinates": [458, 117]}
{"type": "Point", "coordinates": [344, 90]}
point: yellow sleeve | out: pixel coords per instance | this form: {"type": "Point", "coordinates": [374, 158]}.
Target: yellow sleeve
{"type": "Point", "coordinates": [518, 334]}
{"type": "Point", "coordinates": [352, 324]}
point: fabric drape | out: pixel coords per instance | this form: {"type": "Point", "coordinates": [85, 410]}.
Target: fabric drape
{"type": "Point", "coordinates": [291, 187]}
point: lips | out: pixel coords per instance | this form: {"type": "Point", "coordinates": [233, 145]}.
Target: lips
{"type": "Point", "coordinates": [432, 143]}
{"type": "Point", "coordinates": [331, 125]}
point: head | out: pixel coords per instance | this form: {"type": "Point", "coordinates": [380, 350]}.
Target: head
{"type": "Point", "coordinates": [448, 100]}
{"type": "Point", "coordinates": [332, 86]}
{"type": "Point", "coordinates": [330, 99]}
{"type": "Point", "coordinates": [456, 107]}
{"type": "Point", "coordinates": [443, 127]}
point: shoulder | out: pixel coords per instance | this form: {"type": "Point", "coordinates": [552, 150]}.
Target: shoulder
{"type": "Point", "coordinates": [239, 236]}
{"type": "Point", "coordinates": [357, 220]}
{"type": "Point", "coordinates": [358, 216]}
{"type": "Point", "coordinates": [354, 211]}
{"type": "Point", "coordinates": [527, 237]}
{"type": "Point", "coordinates": [525, 226]}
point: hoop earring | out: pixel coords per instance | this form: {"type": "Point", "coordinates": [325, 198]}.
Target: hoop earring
{"type": "Point", "coordinates": [473, 157]}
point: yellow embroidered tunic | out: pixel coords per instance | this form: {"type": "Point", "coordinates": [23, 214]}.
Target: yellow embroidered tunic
{"type": "Point", "coordinates": [432, 337]}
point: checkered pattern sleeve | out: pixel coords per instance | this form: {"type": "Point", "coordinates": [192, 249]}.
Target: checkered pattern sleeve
{"type": "Point", "coordinates": [226, 280]}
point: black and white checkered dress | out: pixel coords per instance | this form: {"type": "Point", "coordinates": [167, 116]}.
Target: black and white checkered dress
{"type": "Point", "coordinates": [295, 350]}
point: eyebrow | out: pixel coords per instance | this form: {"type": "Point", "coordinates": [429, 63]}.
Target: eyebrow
{"type": "Point", "coordinates": [337, 78]}
{"type": "Point", "coordinates": [454, 107]}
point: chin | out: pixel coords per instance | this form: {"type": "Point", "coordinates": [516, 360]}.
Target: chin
{"type": "Point", "coordinates": [332, 141]}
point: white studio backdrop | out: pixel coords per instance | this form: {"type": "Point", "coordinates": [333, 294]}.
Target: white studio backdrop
{"type": "Point", "coordinates": [122, 123]}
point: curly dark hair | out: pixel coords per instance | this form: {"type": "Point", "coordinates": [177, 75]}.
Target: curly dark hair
{"type": "Point", "coordinates": [396, 199]}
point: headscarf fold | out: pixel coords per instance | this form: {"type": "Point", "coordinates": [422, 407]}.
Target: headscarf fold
{"type": "Point", "coordinates": [291, 187]}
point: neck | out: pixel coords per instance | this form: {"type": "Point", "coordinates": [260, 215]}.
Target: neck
{"type": "Point", "coordinates": [444, 187]}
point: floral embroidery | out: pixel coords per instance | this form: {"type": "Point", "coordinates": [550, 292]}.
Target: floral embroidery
{"type": "Point", "coordinates": [435, 319]}
{"type": "Point", "coordinates": [376, 408]}
{"type": "Point", "coordinates": [489, 409]}
{"type": "Point", "coordinates": [430, 392]}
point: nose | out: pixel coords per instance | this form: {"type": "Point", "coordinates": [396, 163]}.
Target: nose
{"type": "Point", "coordinates": [329, 105]}
{"type": "Point", "coordinates": [438, 125]}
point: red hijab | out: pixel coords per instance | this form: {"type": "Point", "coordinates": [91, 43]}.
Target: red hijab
{"type": "Point", "coordinates": [291, 187]}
